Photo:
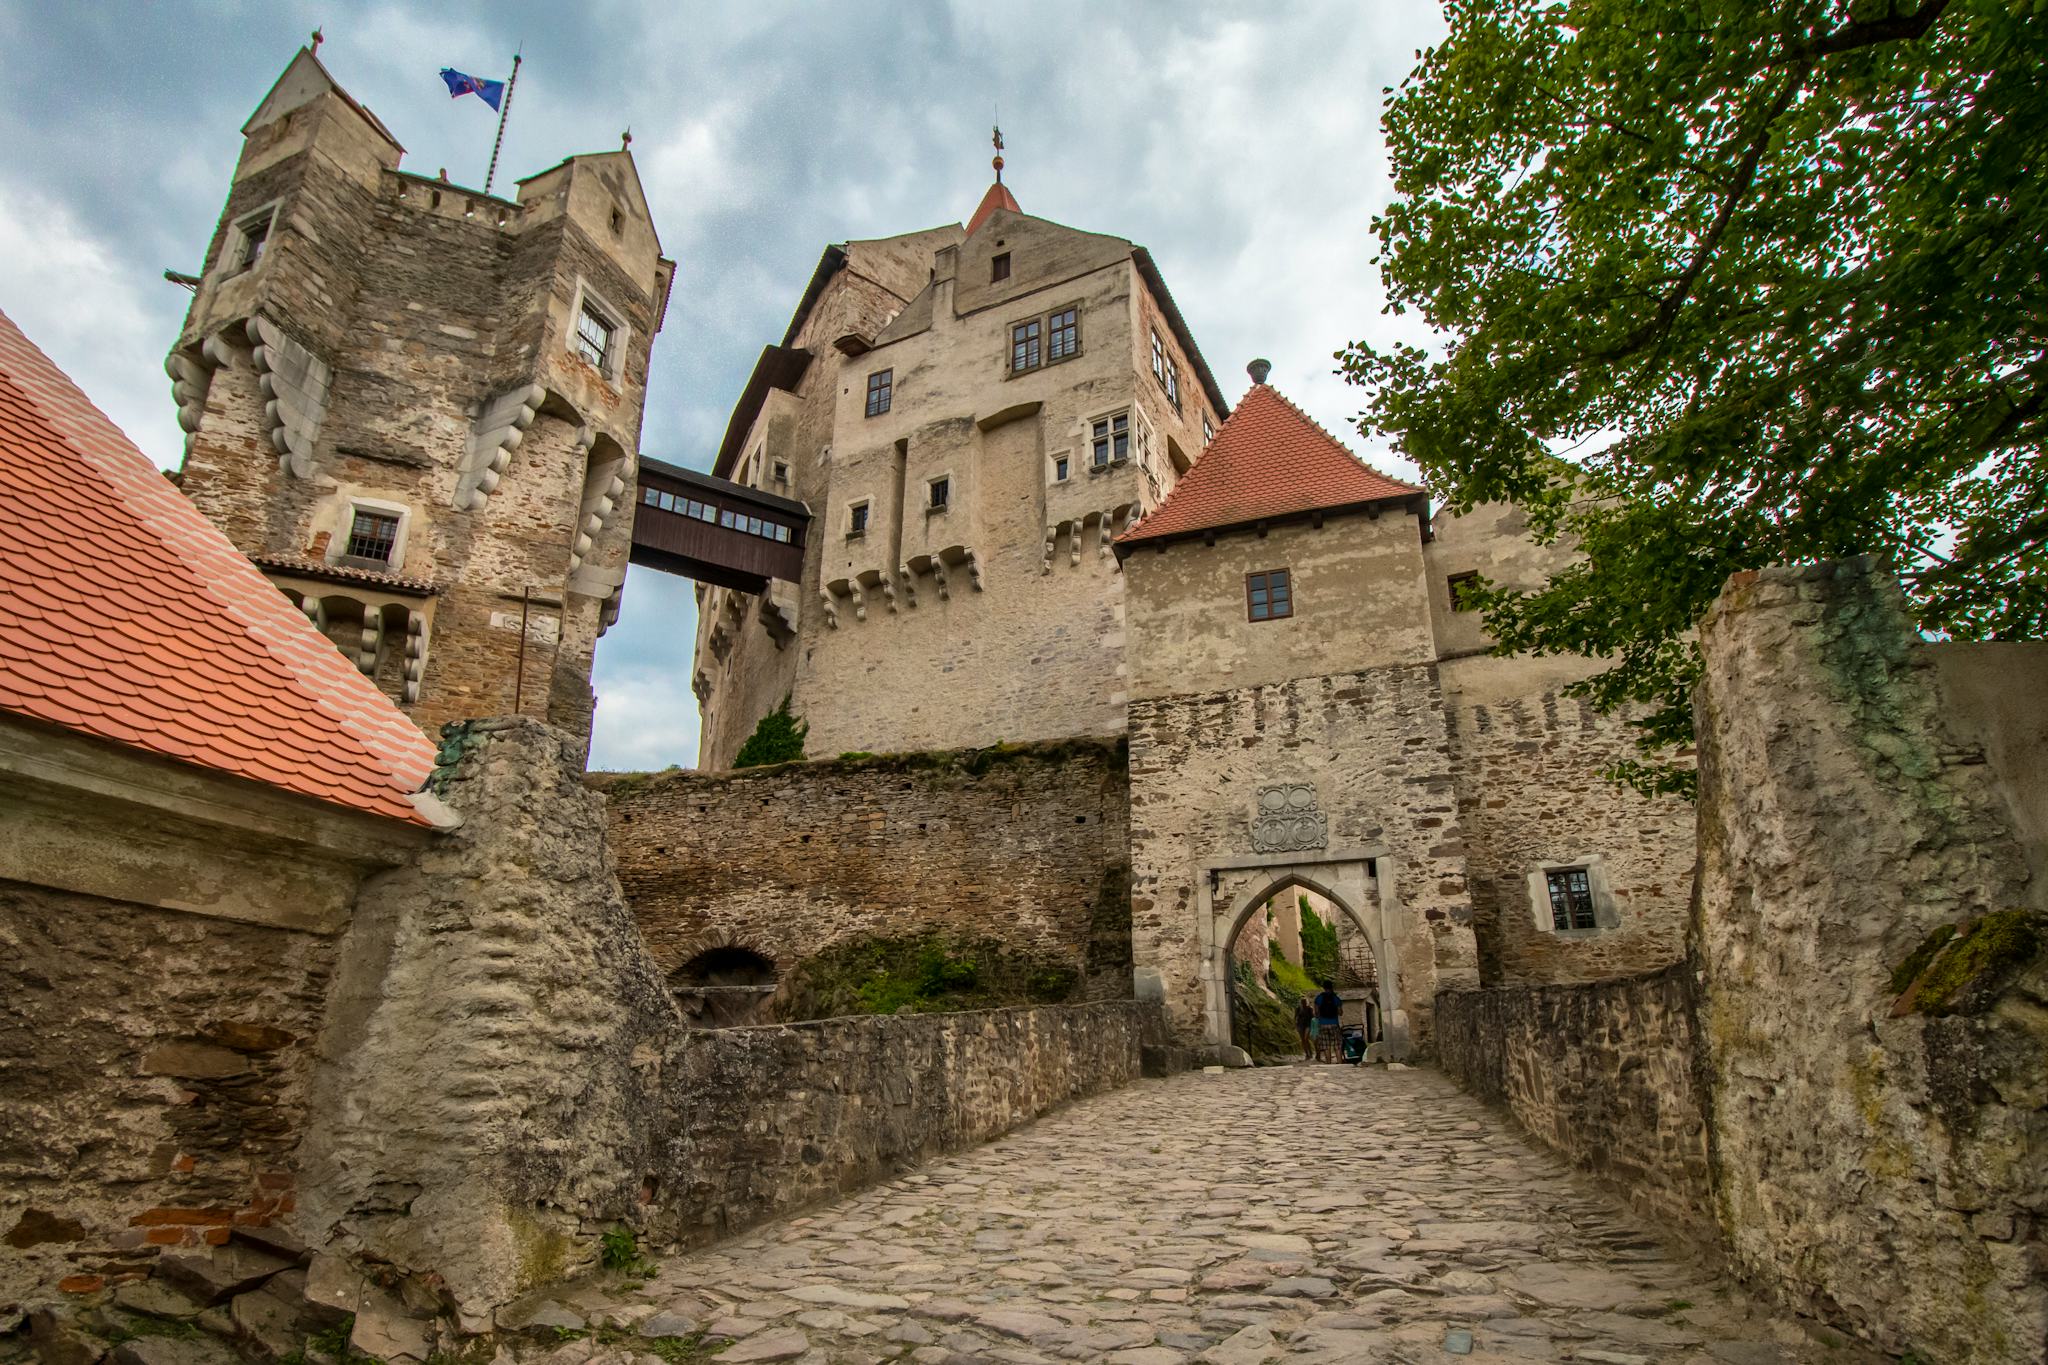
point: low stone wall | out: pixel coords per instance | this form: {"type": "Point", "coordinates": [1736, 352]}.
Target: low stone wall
{"type": "Point", "coordinates": [1602, 1072]}
{"type": "Point", "coordinates": [773, 1118]}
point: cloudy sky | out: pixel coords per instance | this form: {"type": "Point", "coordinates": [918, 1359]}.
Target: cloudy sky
{"type": "Point", "coordinates": [1239, 142]}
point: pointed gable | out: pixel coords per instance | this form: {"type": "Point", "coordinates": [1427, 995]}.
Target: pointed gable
{"type": "Point", "coordinates": [304, 80]}
{"type": "Point", "coordinates": [1270, 460]}
{"type": "Point", "coordinates": [998, 197]}
{"type": "Point", "coordinates": [127, 616]}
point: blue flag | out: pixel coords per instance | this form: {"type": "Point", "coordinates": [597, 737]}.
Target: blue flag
{"type": "Point", "coordinates": [490, 92]}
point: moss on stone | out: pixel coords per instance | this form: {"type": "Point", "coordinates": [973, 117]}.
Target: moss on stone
{"type": "Point", "coordinates": [925, 974]}
{"type": "Point", "coordinates": [543, 1251]}
{"type": "Point", "coordinates": [1982, 956]}
{"type": "Point", "coordinates": [1259, 1022]}
{"type": "Point", "coordinates": [1907, 972]}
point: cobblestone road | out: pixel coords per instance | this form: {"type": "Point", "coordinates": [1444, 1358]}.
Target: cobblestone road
{"type": "Point", "coordinates": [1309, 1213]}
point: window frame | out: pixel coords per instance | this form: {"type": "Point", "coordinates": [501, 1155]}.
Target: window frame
{"type": "Point", "coordinates": [589, 301]}
{"type": "Point", "coordinates": [1569, 902]}
{"type": "Point", "coordinates": [932, 486]}
{"type": "Point", "coordinates": [859, 514]}
{"type": "Point", "coordinates": [1452, 582]}
{"type": "Point", "coordinates": [1053, 330]}
{"type": "Point", "coordinates": [236, 248]}
{"type": "Point", "coordinates": [1035, 341]}
{"type": "Point", "coordinates": [1208, 430]}
{"type": "Point", "coordinates": [1267, 577]}
{"type": "Point", "coordinates": [1605, 911]}
{"type": "Point", "coordinates": [886, 389]}
{"type": "Point", "coordinates": [1062, 468]}
{"type": "Point", "coordinates": [1109, 437]}
{"type": "Point", "coordinates": [999, 267]}
{"type": "Point", "coordinates": [351, 507]}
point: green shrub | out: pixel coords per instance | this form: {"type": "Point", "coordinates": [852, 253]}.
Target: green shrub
{"type": "Point", "coordinates": [1318, 946]}
{"type": "Point", "coordinates": [1289, 983]}
{"type": "Point", "coordinates": [924, 973]}
{"type": "Point", "coordinates": [779, 738]}
{"type": "Point", "coordinates": [619, 1250]}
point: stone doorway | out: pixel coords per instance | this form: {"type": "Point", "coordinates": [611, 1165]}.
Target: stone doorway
{"type": "Point", "coordinates": [727, 986]}
{"type": "Point", "coordinates": [1285, 949]}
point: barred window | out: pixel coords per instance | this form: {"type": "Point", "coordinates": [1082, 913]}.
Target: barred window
{"type": "Point", "coordinates": [881, 390]}
{"type": "Point", "coordinates": [594, 338]}
{"type": "Point", "coordinates": [1065, 339]}
{"type": "Point", "coordinates": [1268, 596]}
{"type": "Point", "coordinates": [857, 519]}
{"type": "Point", "coordinates": [942, 491]}
{"type": "Point", "coordinates": [1571, 897]}
{"type": "Point", "coordinates": [372, 535]}
{"type": "Point", "coordinates": [1024, 353]}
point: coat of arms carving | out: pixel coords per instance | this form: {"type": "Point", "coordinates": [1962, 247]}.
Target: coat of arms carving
{"type": "Point", "coordinates": [1287, 820]}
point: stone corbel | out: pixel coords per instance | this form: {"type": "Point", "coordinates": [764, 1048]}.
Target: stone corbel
{"type": "Point", "coordinates": [415, 654]}
{"type": "Point", "coordinates": [602, 492]}
{"type": "Point", "coordinates": [1074, 542]}
{"type": "Point", "coordinates": [1052, 538]}
{"type": "Point", "coordinates": [974, 570]}
{"type": "Point", "coordinates": [294, 383]}
{"type": "Point", "coordinates": [700, 684]}
{"type": "Point", "coordinates": [888, 587]}
{"type": "Point", "coordinates": [373, 640]}
{"type": "Point", "coordinates": [315, 609]}
{"type": "Point", "coordinates": [909, 585]}
{"type": "Point", "coordinates": [498, 428]}
{"type": "Point", "coordinates": [939, 579]}
{"type": "Point", "coordinates": [831, 608]}
{"type": "Point", "coordinates": [860, 601]}
{"type": "Point", "coordinates": [191, 378]}
{"type": "Point", "coordinates": [1106, 532]}
{"type": "Point", "coordinates": [608, 614]}
{"type": "Point", "coordinates": [778, 613]}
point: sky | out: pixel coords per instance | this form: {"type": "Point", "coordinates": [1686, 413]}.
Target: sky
{"type": "Point", "coordinates": [1240, 143]}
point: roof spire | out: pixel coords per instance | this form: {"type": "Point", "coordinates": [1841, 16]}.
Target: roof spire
{"type": "Point", "coordinates": [318, 38]}
{"type": "Point", "coordinates": [998, 161]}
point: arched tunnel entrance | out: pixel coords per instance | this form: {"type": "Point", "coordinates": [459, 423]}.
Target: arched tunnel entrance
{"type": "Point", "coordinates": [1290, 941]}
{"type": "Point", "coordinates": [728, 986]}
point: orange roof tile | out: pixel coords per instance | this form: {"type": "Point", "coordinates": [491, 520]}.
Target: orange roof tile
{"type": "Point", "coordinates": [1270, 459]}
{"type": "Point", "coordinates": [998, 197]}
{"type": "Point", "coordinates": [125, 615]}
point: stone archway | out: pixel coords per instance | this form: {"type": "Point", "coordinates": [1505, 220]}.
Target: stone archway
{"type": "Point", "coordinates": [721, 981]}
{"type": "Point", "coordinates": [1359, 883]}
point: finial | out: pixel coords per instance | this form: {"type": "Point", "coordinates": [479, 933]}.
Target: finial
{"type": "Point", "coordinates": [625, 139]}
{"type": "Point", "coordinates": [318, 38]}
{"type": "Point", "coordinates": [1258, 370]}
{"type": "Point", "coordinates": [444, 175]}
{"type": "Point", "coordinates": [998, 162]}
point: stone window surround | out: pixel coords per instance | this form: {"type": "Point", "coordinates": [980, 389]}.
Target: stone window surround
{"type": "Point", "coordinates": [238, 238]}
{"type": "Point", "coordinates": [1055, 460]}
{"type": "Point", "coordinates": [939, 509]}
{"type": "Point", "coordinates": [1046, 359]}
{"type": "Point", "coordinates": [1132, 429]}
{"type": "Point", "coordinates": [1606, 913]}
{"type": "Point", "coordinates": [615, 354]}
{"type": "Point", "coordinates": [859, 514]}
{"type": "Point", "coordinates": [337, 542]}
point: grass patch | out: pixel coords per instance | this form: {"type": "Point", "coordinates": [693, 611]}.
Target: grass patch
{"type": "Point", "coordinates": [619, 1250]}
{"type": "Point", "coordinates": [683, 1350]}
{"type": "Point", "coordinates": [924, 974]}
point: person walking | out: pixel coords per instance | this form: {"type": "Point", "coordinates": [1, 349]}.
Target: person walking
{"type": "Point", "coordinates": [1329, 1017]}
{"type": "Point", "coordinates": [1305, 1025]}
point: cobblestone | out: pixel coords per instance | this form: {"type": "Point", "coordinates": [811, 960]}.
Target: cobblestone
{"type": "Point", "coordinates": [1306, 1213]}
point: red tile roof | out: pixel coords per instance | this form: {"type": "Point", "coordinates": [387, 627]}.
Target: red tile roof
{"type": "Point", "coordinates": [126, 616]}
{"type": "Point", "coordinates": [1269, 460]}
{"type": "Point", "coordinates": [998, 197]}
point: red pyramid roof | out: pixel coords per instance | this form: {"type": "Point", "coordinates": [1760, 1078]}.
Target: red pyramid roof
{"type": "Point", "coordinates": [125, 615]}
{"type": "Point", "coordinates": [998, 197]}
{"type": "Point", "coordinates": [1270, 459]}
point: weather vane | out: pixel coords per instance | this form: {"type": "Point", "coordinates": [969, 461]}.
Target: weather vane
{"type": "Point", "coordinates": [998, 162]}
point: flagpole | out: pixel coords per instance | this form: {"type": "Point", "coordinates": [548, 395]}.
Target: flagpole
{"type": "Point", "coordinates": [492, 173]}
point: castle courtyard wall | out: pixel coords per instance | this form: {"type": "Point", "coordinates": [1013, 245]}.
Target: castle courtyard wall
{"type": "Point", "coordinates": [1026, 847]}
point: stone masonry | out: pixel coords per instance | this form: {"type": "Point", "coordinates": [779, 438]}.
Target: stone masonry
{"type": "Point", "coordinates": [1028, 846]}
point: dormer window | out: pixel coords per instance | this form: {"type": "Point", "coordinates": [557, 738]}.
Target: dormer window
{"type": "Point", "coordinates": [594, 337]}
{"type": "Point", "coordinates": [249, 238]}
{"type": "Point", "coordinates": [999, 268]}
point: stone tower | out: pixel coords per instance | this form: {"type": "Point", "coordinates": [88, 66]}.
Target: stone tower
{"type": "Point", "coordinates": [417, 407]}
{"type": "Point", "coordinates": [971, 415]}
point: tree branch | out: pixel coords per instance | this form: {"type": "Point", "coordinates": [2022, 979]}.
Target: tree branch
{"type": "Point", "coordinates": [1892, 28]}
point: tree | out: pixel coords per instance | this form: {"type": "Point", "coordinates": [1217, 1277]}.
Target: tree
{"type": "Point", "coordinates": [1769, 274]}
{"type": "Point", "coordinates": [778, 738]}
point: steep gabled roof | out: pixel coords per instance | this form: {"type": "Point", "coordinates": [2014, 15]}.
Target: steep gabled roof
{"type": "Point", "coordinates": [998, 197]}
{"type": "Point", "coordinates": [125, 616]}
{"type": "Point", "coordinates": [1269, 460]}
{"type": "Point", "coordinates": [305, 77]}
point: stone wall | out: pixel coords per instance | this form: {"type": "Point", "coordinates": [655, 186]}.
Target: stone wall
{"type": "Point", "coordinates": [1879, 1110]}
{"type": "Point", "coordinates": [1602, 1073]}
{"type": "Point", "coordinates": [154, 1068]}
{"type": "Point", "coordinates": [1026, 846]}
{"type": "Point", "coordinates": [836, 1104]}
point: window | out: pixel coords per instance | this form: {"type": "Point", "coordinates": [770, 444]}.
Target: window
{"type": "Point", "coordinates": [941, 490]}
{"type": "Point", "coordinates": [651, 497]}
{"type": "Point", "coordinates": [782, 471]}
{"type": "Point", "coordinates": [1462, 586]}
{"type": "Point", "coordinates": [999, 267]}
{"type": "Point", "coordinates": [728, 520]}
{"type": "Point", "coordinates": [1065, 338]}
{"type": "Point", "coordinates": [1208, 429]}
{"type": "Point", "coordinates": [857, 519]}
{"type": "Point", "coordinates": [881, 389]}
{"type": "Point", "coordinates": [1110, 440]}
{"type": "Point", "coordinates": [252, 235]}
{"type": "Point", "coordinates": [1173, 385]}
{"type": "Point", "coordinates": [1059, 470]}
{"type": "Point", "coordinates": [1571, 897]}
{"type": "Point", "coordinates": [372, 535]}
{"type": "Point", "coordinates": [594, 337]}
{"type": "Point", "coordinates": [666, 501]}
{"type": "Point", "coordinates": [1024, 346]}
{"type": "Point", "coordinates": [1268, 596]}
{"type": "Point", "coordinates": [1158, 359]}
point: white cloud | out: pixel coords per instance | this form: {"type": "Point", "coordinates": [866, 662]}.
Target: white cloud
{"type": "Point", "coordinates": [646, 719]}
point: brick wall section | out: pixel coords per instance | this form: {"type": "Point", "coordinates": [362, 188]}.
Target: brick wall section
{"type": "Point", "coordinates": [153, 1079]}
{"type": "Point", "coordinates": [834, 1105]}
{"type": "Point", "coordinates": [1527, 759]}
{"type": "Point", "coordinates": [1602, 1073]}
{"type": "Point", "coordinates": [793, 859]}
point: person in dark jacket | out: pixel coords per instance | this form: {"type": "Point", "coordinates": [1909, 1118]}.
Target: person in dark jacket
{"type": "Point", "coordinates": [1329, 1031]}
{"type": "Point", "coordinates": [1305, 1025]}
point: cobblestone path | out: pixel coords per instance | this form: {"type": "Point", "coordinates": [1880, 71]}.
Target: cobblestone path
{"type": "Point", "coordinates": [1308, 1213]}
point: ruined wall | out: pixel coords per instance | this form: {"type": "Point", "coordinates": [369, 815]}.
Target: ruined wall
{"type": "Point", "coordinates": [1527, 760]}
{"type": "Point", "coordinates": [153, 1080]}
{"type": "Point", "coordinates": [1602, 1073]}
{"type": "Point", "coordinates": [1879, 1109]}
{"type": "Point", "coordinates": [1027, 846]}
{"type": "Point", "coordinates": [833, 1105]}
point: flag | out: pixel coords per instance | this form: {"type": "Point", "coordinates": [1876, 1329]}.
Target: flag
{"type": "Point", "coordinates": [490, 92]}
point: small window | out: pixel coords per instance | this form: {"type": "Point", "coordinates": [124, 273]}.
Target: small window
{"type": "Point", "coordinates": [706, 512]}
{"type": "Point", "coordinates": [1024, 341]}
{"type": "Point", "coordinates": [1059, 470]}
{"type": "Point", "coordinates": [594, 338]}
{"type": "Point", "coordinates": [753, 526]}
{"type": "Point", "coordinates": [1268, 596]}
{"type": "Point", "coordinates": [1571, 897]}
{"type": "Point", "coordinates": [665, 501]}
{"type": "Point", "coordinates": [1110, 440]}
{"type": "Point", "coordinates": [1463, 586]}
{"type": "Point", "coordinates": [782, 471]}
{"type": "Point", "coordinates": [881, 390]}
{"type": "Point", "coordinates": [618, 222]}
{"type": "Point", "coordinates": [1158, 358]}
{"type": "Point", "coordinates": [782, 534]}
{"type": "Point", "coordinates": [857, 519]}
{"type": "Point", "coordinates": [942, 489]}
{"type": "Point", "coordinates": [1208, 429]}
{"type": "Point", "coordinates": [1065, 339]}
{"type": "Point", "coordinates": [372, 535]}
{"type": "Point", "coordinates": [730, 521]}
{"type": "Point", "coordinates": [1173, 385]}
{"type": "Point", "coordinates": [253, 234]}
{"type": "Point", "coordinates": [651, 496]}
{"type": "Point", "coordinates": [999, 267]}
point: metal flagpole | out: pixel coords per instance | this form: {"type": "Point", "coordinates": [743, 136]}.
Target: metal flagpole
{"type": "Point", "coordinates": [492, 173]}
